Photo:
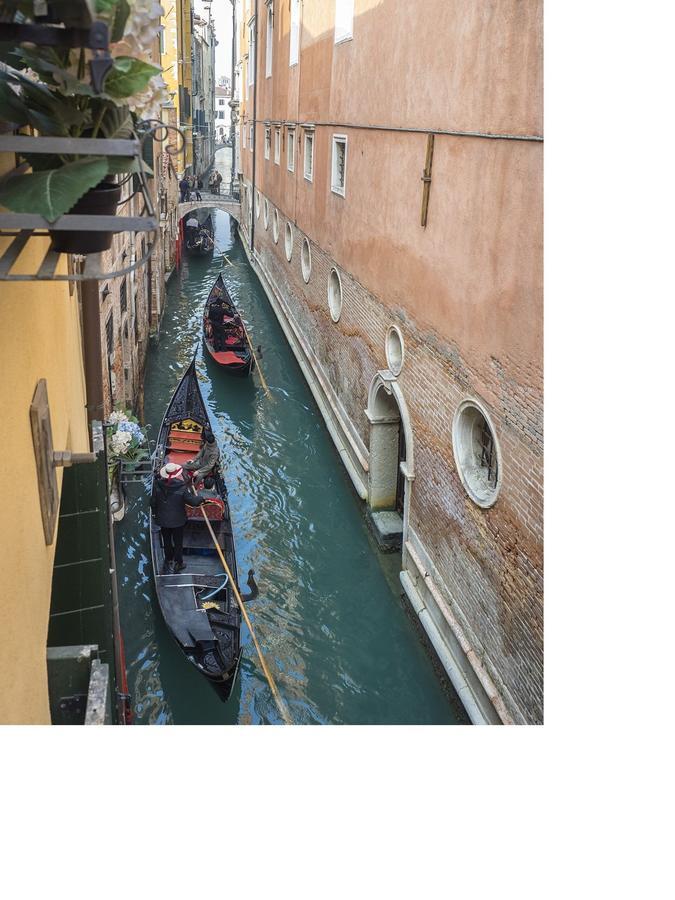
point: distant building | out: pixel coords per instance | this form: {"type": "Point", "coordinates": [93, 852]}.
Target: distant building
{"type": "Point", "coordinates": [203, 90]}
{"type": "Point", "coordinates": [222, 114]}
{"type": "Point", "coordinates": [395, 220]}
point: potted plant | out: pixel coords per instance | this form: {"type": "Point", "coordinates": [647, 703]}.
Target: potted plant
{"type": "Point", "coordinates": [48, 89]}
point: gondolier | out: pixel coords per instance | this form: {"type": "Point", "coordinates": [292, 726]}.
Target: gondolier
{"type": "Point", "coordinates": [170, 494]}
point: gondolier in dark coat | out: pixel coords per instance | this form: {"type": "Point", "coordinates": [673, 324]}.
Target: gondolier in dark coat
{"type": "Point", "coordinates": [170, 493]}
{"type": "Point", "coordinates": [204, 462]}
{"type": "Point", "coordinates": [216, 314]}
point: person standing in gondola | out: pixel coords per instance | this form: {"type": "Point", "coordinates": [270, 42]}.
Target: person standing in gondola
{"type": "Point", "coordinates": [216, 314]}
{"type": "Point", "coordinates": [170, 494]}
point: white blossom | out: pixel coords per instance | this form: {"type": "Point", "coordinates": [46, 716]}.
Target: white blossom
{"type": "Point", "coordinates": [116, 417]}
{"type": "Point", "coordinates": [120, 442]}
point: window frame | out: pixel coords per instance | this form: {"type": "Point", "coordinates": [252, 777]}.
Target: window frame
{"type": "Point", "coordinates": [277, 145]}
{"type": "Point", "coordinates": [251, 51]}
{"type": "Point", "coordinates": [335, 188]}
{"type": "Point", "coordinates": [344, 11]}
{"type": "Point", "coordinates": [290, 142]}
{"type": "Point", "coordinates": [269, 39]}
{"type": "Point", "coordinates": [268, 141]}
{"type": "Point", "coordinates": [309, 135]}
{"type": "Point", "coordinates": [294, 58]}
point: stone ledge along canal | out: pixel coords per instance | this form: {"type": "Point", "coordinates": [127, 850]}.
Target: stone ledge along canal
{"type": "Point", "coordinates": [329, 617]}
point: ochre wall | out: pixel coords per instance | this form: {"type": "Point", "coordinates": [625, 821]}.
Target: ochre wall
{"type": "Point", "coordinates": [39, 338]}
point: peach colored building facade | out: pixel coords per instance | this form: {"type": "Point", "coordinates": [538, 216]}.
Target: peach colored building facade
{"type": "Point", "coordinates": [422, 343]}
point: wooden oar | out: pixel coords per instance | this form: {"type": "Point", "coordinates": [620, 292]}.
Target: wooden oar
{"type": "Point", "coordinates": [257, 364]}
{"type": "Point", "coordinates": [281, 703]}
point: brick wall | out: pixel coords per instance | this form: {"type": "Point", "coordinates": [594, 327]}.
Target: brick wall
{"type": "Point", "coordinates": [489, 561]}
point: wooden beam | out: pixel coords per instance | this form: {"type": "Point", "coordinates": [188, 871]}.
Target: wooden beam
{"type": "Point", "coordinates": [426, 178]}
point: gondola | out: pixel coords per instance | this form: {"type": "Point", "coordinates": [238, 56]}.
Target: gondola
{"type": "Point", "coordinates": [234, 353]}
{"type": "Point", "coordinates": [201, 243]}
{"type": "Point", "coordinates": [198, 605]}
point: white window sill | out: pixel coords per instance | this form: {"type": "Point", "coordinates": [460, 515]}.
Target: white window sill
{"type": "Point", "coordinates": [308, 178]}
{"type": "Point", "coordinates": [343, 40]}
{"type": "Point", "coordinates": [336, 190]}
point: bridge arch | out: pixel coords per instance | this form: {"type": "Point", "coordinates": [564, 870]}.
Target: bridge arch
{"type": "Point", "coordinates": [233, 207]}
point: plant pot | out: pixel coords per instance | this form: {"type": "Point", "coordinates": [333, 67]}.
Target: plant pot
{"type": "Point", "coordinates": [101, 200]}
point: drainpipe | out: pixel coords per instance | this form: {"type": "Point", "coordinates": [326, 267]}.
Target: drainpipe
{"type": "Point", "coordinates": [91, 338]}
{"type": "Point", "coordinates": [255, 119]}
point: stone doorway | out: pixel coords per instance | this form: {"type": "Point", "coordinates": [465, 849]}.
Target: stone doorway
{"type": "Point", "coordinates": [389, 472]}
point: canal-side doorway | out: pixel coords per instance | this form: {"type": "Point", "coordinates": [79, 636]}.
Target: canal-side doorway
{"type": "Point", "coordinates": [389, 473]}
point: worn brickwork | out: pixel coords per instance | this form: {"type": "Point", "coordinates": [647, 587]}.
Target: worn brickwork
{"type": "Point", "coordinates": [490, 561]}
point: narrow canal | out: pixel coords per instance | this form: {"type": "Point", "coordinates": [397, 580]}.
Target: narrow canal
{"type": "Point", "coordinates": [329, 616]}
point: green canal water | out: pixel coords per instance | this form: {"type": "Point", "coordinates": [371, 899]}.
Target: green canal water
{"type": "Point", "coordinates": [329, 616]}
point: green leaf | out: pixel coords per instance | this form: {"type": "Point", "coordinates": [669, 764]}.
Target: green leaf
{"type": "Point", "coordinates": [116, 122]}
{"type": "Point", "coordinates": [121, 15]}
{"type": "Point", "coordinates": [128, 76]}
{"type": "Point", "coordinates": [51, 194]}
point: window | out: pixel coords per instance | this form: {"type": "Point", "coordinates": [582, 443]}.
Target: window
{"type": "Point", "coordinates": [476, 453]}
{"type": "Point", "coordinates": [275, 226]}
{"type": "Point", "coordinates": [394, 350]}
{"type": "Point", "coordinates": [295, 33]}
{"type": "Point", "coordinates": [339, 164]}
{"type": "Point", "coordinates": [309, 156]}
{"type": "Point", "coordinates": [268, 141]}
{"type": "Point", "coordinates": [251, 51]}
{"type": "Point", "coordinates": [266, 214]}
{"type": "Point", "coordinates": [277, 145]}
{"type": "Point", "coordinates": [306, 260]}
{"type": "Point", "coordinates": [123, 295]}
{"type": "Point", "coordinates": [250, 138]}
{"type": "Point", "coordinates": [290, 150]}
{"type": "Point", "coordinates": [270, 39]}
{"type": "Point", "coordinates": [257, 204]}
{"type": "Point", "coordinates": [288, 239]}
{"type": "Point", "coordinates": [334, 295]}
{"type": "Point", "coordinates": [243, 136]}
{"type": "Point", "coordinates": [344, 20]}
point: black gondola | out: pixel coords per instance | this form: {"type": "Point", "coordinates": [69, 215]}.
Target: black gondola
{"type": "Point", "coordinates": [198, 605]}
{"type": "Point", "coordinates": [234, 351]}
{"type": "Point", "coordinates": [199, 241]}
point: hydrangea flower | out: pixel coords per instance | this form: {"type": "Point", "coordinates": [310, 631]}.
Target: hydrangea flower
{"type": "Point", "coordinates": [116, 417]}
{"type": "Point", "coordinates": [120, 442]}
{"type": "Point", "coordinates": [131, 428]}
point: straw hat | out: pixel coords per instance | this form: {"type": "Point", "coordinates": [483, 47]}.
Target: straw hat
{"type": "Point", "coordinates": [171, 471]}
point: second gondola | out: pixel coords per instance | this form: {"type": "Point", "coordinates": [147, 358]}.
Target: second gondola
{"type": "Point", "coordinates": [225, 334]}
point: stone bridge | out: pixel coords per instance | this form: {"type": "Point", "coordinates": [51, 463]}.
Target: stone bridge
{"type": "Point", "coordinates": [212, 201]}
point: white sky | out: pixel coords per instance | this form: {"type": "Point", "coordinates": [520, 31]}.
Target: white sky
{"type": "Point", "coordinates": [221, 11]}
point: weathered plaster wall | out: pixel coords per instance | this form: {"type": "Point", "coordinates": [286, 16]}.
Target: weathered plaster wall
{"type": "Point", "coordinates": [466, 291]}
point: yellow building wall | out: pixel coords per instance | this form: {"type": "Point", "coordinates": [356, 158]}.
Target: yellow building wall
{"type": "Point", "coordinates": [177, 66]}
{"type": "Point", "coordinates": [39, 338]}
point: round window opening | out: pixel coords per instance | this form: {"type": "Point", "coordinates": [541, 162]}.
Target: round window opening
{"type": "Point", "coordinates": [257, 204]}
{"type": "Point", "coordinates": [394, 350]}
{"type": "Point", "coordinates": [266, 214]}
{"type": "Point", "coordinates": [477, 453]}
{"type": "Point", "coordinates": [275, 226]}
{"type": "Point", "coordinates": [306, 260]}
{"type": "Point", "coordinates": [334, 295]}
{"type": "Point", "coordinates": [288, 239]}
